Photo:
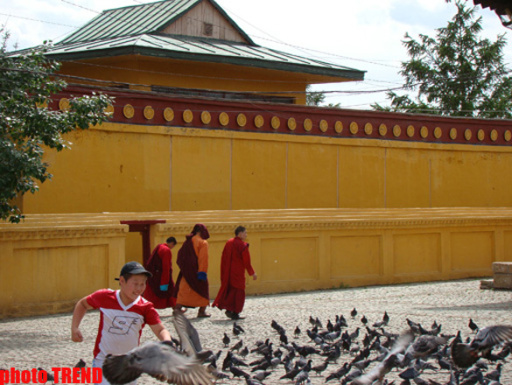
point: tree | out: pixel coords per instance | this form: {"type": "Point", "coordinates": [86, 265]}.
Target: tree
{"type": "Point", "coordinates": [314, 98]}
{"type": "Point", "coordinates": [27, 125]}
{"type": "Point", "coordinates": [457, 73]}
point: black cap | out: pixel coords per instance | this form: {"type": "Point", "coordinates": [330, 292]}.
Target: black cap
{"type": "Point", "coordinates": [134, 268]}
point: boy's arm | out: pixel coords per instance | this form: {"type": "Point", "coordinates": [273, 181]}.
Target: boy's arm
{"type": "Point", "coordinates": [81, 308]}
{"type": "Point", "coordinates": [161, 332]}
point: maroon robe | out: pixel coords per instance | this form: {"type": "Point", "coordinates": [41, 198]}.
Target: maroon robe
{"type": "Point", "coordinates": [160, 265]}
{"type": "Point", "coordinates": [235, 261]}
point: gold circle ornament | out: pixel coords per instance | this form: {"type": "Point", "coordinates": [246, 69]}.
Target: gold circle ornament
{"type": "Point", "coordinates": [259, 121]}
{"type": "Point", "coordinates": [453, 133]}
{"type": "Point", "coordinates": [494, 135]}
{"type": "Point", "coordinates": [338, 127]}
{"type": "Point", "coordinates": [275, 122]}
{"type": "Point", "coordinates": [468, 134]}
{"type": "Point", "coordinates": [438, 132]}
{"type": "Point", "coordinates": [241, 120]}
{"type": "Point", "coordinates": [168, 114]}
{"type": "Point", "coordinates": [410, 131]}
{"type": "Point", "coordinates": [507, 135]}
{"type": "Point", "coordinates": [224, 118]}
{"type": "Point", "coordinates": [396, 130]}
{"type": "Point", "coordinates": [354, 128]}
{"type": "Point", "coordinates": [480, 135]}
{"type": "Point", "coordinates": [292, 124]}
{"type": "Point", "coordinates": [368, 129]}
{"type": "Point", "coordinates": [149, 112]}
{"type": "Point", "coordinates": [424, 132]}
{"type": "Point", "coordinates": [64, 104]}
{"type": "Point", "coordinates": [206, 117]}
{"type": "Point", "coordinates": [109, 110]}
{"type": "Point", "coordinates": [188, 116]}
{"type": "Point", "coordinates": [308, 124]}
{"type": "Point", "coordinates": [323, 125]}
{"type": "Point", "coordinates": [128, 111]}
{"type": "Point", "coordinates": [383, 129]}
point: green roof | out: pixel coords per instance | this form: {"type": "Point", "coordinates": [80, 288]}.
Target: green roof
{"type": "Point", "coordinates": [141, 29]}
{"type": "Point", "coordinates": [202, 49]}
{"type": "Point", "coordinates": [140, 19]}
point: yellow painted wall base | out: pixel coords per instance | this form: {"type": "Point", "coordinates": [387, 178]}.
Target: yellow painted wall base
{"type": "Point", "coordinates": [52, 260]}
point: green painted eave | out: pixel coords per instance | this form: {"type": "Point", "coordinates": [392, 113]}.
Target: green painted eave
{"type": "Point", "coordinates": [202, 50]}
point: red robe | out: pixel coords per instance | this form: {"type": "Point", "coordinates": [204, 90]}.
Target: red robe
{"type": "Point", "coordinates": [235, 261]}
{"type": "Point", "coordinates": [161, 268]}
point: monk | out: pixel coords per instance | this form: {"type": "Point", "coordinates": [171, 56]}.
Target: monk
{"type": "Point", "coordinates": [192, 284]}
{"type": "Point", "coordinates": [160, 287]}
{"type": "Point", "coordinates": [235, 261]}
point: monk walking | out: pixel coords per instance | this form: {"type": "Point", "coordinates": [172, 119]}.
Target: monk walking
{"type": "Point", "coordinates": [160, 287]}
{"type": "Point", "coordinates": [235, 261]}
{"type": "Point", "coordinates": [192, 283]}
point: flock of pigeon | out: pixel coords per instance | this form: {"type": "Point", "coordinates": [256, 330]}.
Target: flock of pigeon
{"type": "Point", "coordinates": [333, 353]}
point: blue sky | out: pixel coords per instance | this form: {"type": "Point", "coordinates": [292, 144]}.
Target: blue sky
{"type": "Point", "coordinates": [365, 35]}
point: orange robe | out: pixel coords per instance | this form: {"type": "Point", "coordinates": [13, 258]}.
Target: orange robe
{"type": "Point", "coordinates": [186, 296]}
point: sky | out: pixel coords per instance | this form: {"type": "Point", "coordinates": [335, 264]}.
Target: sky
{"type": "Point", "coordinates": [366, 34]}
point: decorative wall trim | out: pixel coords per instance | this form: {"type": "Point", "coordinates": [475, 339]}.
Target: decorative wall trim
{"type": "Point", "coordinates": [131, 107]}
{"type": "Point", "coordinates": [52, 232]}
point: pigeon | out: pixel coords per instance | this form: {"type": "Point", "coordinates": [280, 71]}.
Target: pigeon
{"type": "Point", "coordinates": [162, 361]}
{"type": "Point", "coordinates": [296, 333]}
{"type": "Point", "coordinates": [339, 373]}
{"type": "Point", "coordinates": [378, 372]}
{"type": "Point", "coordinates": [260, 375]}
{"type": "Point", "coordinates": [244, 352]}
{"type": "Point", "coordinates": [320, 368]}
{"type": "Point", "coordinates": [238, 372]}
{"type": "Point", "coordinates": [226, 340]}
{"type": "Point", "coordinates": [240, 329]}
{"type": "Point", "coordinates": [473, 326]}
{"type": "Point", "coordinates": [49, 376]}
{"type": "Point", "coordinates": [353, 313]}
{"type": "Point", "coordinates": [466, 354]}
{"type": "Point", "coordinates": [80, 364]}
{"type": "Point", "coordinates": [425, 345]}
{"type": "Point", "coordinates": [237, 346]}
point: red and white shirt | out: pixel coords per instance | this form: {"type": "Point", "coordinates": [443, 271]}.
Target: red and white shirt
{"type": "Point", "coordinates": [120, 325]}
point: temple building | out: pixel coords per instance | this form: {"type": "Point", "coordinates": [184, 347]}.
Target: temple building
{"type": "Point", "coordinates": [209, 127]}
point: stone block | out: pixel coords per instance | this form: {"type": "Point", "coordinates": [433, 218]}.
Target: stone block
{"type": "Point", "coordinates": [486, 284]}
{"type": "Point", "coordinates": [503, 281]}
{"type": "Point", "coordinates": [502, 267]}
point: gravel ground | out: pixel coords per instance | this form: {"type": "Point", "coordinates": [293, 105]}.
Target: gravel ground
{"type": "Point", "coordinates": [27, 343]}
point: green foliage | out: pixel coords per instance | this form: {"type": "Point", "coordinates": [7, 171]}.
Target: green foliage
{"type": "Point", "coordinates": [27, 125]}
{"type": "Point", "coordinates": [314, 98]}
{"type": "Point", "coordinates": [456, 73]}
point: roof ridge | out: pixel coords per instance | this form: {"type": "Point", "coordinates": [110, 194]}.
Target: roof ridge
{"type": "Point", "coordinates": [135, 5]}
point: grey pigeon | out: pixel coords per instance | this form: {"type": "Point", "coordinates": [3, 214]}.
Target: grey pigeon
{"type": "Point", "coordinates": [162, 361]}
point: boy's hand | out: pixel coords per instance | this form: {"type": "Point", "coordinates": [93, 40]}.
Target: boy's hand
{"type": "Point", "coordinates": [76, 335]}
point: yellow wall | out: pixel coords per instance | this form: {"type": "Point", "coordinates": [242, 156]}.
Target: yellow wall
{"type": "Point", "coordinates": [46, 268]}
{"type": "Point", "coordinates": [152, 168]}
{"type": "Point", "coordinates": [50, 261]}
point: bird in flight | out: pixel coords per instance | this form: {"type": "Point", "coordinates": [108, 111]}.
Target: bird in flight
{"type": "Point", "coordinates": [464, 355]}
{"type": "Point", "coordinates": [162, 361]}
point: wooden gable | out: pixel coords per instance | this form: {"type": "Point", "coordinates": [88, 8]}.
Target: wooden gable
{"type": "Point", "coordinates": [204, 20]}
